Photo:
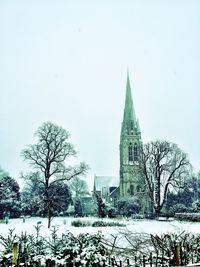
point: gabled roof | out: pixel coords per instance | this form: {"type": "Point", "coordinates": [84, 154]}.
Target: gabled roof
{"type": "Point", "coordinates": [114, 191]}
{"type": "Point", "coordinates": [101, 182]}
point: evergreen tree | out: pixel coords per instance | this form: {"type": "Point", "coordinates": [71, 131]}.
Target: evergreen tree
{"type": "Point", "coordinates": [101, 206]}
{"type": "Point", "coordinates": [9, 197]}
{"type": "Point", "coordinates": [32, 196]}
{"type": "Point", "coordinates": [78, 211]}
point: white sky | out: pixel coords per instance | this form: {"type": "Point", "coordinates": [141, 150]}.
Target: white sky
{"type": "Point", "coordinates": [66, 61]}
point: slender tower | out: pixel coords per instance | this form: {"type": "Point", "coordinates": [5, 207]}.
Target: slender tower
{"type": "Point", "coordinates": [131, 180]}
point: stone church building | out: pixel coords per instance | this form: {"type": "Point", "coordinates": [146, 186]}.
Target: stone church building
{"type": "Point", "coordinates": [131, 181]}
{"type": "Point", "coordinates": [130, 149]}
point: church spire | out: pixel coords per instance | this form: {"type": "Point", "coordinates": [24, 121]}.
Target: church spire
{"type": "Point", "coordinates": [129, 119]}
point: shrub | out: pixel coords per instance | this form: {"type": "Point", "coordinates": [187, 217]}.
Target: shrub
{"type": "Point", "coordinates": [79, 223]}
{"type": "Point", "coordinates": [128, 205]}
{"type": "Point", "coordinates": [78, 210]}
{"type": "Point", "coordinates": [83, 250]}
{"type": "Point", "coordinates": [177, 208]}
{"type": "Point", "coordinates": [193, 217]}
{"type": "Point", "coordinates": [111, 212]}
{"type": "Point", "coordinates": [101, 206]}
{"type": "Point", "coordinates": [137, 216]}
{"type": "Point", "coordinates": [8, 242]}
{"type": "Point", "coordinates": [105, 224]}
{"type": "Point", "coordinates": [166, 244]}
{"type": "Point", "coordinates": [150, 215]}
{"type": "Point", "coordinates": [196, 206]}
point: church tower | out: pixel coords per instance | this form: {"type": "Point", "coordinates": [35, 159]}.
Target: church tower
{"type": "Point", "coordinates": [131, 180]}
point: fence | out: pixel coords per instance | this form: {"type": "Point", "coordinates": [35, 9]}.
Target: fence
{"type": "Point", "coordinates": [182, 255]}
{"type": "Point", "coordinates": [142, 261]}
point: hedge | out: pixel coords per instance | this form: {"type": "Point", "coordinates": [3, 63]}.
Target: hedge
{"type": "Point", "coordinates": [193, 217]}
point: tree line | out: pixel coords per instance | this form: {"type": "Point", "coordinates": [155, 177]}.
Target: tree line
{"type": "Point", "coordinates": [166, 169]}
{"type": "Point", "coordinates": [28, 200]}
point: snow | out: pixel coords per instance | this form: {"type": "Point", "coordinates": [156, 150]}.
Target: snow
{"type": "Point", "coordinates": [63, 224]}
{"type": "Point", "coordinates": [112, 235]}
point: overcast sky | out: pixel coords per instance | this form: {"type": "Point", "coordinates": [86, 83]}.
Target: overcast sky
{"type": "Point", "coordinates": [66, 62]}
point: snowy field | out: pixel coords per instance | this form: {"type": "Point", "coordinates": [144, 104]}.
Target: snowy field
{"type": "Point", "coordinates": [63, 224]}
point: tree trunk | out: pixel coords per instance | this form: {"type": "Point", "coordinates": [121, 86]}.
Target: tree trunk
{"type": "Point", "coordinates": [48, 204]}
{"type": "Point", "coordinates": [157, 211]}
{"type": "Point", "coordinates": [49, 217]}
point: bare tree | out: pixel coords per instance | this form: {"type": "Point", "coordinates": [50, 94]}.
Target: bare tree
{"type": "Point", "coordinates": [79, 187]}
{"type": "Point", "coordinates": [164, 165]}
{"type": "Point", "coordinates": [48, 157]}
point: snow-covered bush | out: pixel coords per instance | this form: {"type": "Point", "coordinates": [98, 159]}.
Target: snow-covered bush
{"type": "Point", "coordinates": [127, 206]}
{"type": "Point", "coordinates": [188, 243]}
{"type": "Point", "coordinates": [9, 198]}
{"type": "Point", "coordinates": [178, 208]}
{"type": "Point", "coordinates": [7, 242]}
{"type": "Point", "coordinates": [137, 216]}
{"type": "Point", "coordinates": [112, 212]}
{"type": "Point", "coordinates": [105, 224]}
{"type": "Point", "coordinates": [193, 217]}
{"type": "Point", "coordinates": [67, 250]}
{"type": "Point", "coordinates": [101, 206]}
{"type": "Point", "coordinates": [196, 206]}
{"type": "Point", "coordinates": [83, 250]}
{"type": "Point", "coordinates": [80, 223]}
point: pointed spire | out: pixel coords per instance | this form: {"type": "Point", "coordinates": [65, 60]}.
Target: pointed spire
{"type": "Point", "coordinates": [129, 120]}
{"type": "Point", "coordinates": [129, 101]}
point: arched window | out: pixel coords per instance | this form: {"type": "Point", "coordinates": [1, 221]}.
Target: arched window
{"type": "Point", "coordinates": [130, 152]}
{"type": "Point", "coordinates": [135, 152]}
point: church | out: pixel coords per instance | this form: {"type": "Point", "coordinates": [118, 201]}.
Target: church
{"type": "Point", "coordinates": [131, 181]}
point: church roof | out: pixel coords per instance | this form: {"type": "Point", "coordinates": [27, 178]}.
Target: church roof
{"type": "Point", "coordinates": [101, 182]}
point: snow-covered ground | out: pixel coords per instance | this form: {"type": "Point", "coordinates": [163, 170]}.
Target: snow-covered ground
{"type": "Point", "coordinates": [63, 224]}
